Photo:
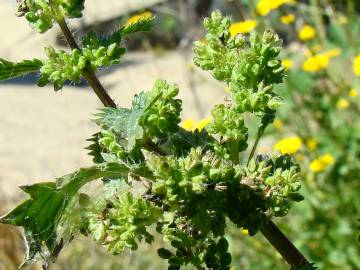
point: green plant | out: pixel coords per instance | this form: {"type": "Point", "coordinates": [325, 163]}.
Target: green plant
{"type": "Point", "coordinates": [154, 173]}
{"type": "Point", "coordinates": [320, 116]}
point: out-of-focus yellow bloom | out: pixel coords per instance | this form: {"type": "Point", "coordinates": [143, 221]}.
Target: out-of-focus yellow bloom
{"type": "Point", "coordinates": [189, 124]}
{"type": "Point", "coordinates": [317, 48]}
{"type": "Point", "coordinates": [320, 61]}
{"type": "Point", "coordinates": [137, 17]}
{"type": "Point", "coordinates": [321, 163]}
{"type": "Point", "coordinates": [307, 32]}
{"type": "Point", "coordinates": [356, 65]}
{"type": "Point", "coordinates": [287, 19]}
{"type": "Point", "coordinates": [353, 92]}
{"type": "Point", "coordinates": [245, 232]}
{"type": "Point", "coordinates": [332, 53]}
{"type": "Point", "coordinates": [264, 7]}
{"type": "Point", "coordinates": [342, 20]}
{"type": "Point", "coordinates": [227, 89]}
{"type": "Point", "coordinates": [316, 63]}
{"type": "Point", "coordinates": [342, 103]}
{"type": "Point", "coordinates": [288, 145]}
{"type": "Point", "coordinates": [278, 124]}
{"type": "Point", "coordinates": [287, 63]}
{"type": "Point", "coordinates": [242, 27]}
{"type": "Point", "coordinates": [312, 144]}
{"type": "Point", "coordinates": [203, 123]}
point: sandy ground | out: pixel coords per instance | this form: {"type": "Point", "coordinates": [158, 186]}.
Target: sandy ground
{"type": "Point", "coordinates": [43, 133]}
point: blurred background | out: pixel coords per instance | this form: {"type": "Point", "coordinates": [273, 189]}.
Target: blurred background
{"type": "Point", "coordinates": [43, 134]}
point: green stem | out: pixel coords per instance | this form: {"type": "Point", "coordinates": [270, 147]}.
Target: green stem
{"type": "Point", "coordinates": [284, 246]}
{"type": "Point", "coordinates": [234, 151]}
{"type": "Point", "coordinates": [88, 74]}
{"type": "Point", "coordinates": [258, 137]}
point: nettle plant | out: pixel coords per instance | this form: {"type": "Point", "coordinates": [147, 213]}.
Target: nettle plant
{"type": "Point", "coordinates": [153, 173]}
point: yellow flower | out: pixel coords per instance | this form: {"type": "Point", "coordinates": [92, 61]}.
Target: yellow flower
{"type": "Point", "coordinates": [189, 124]}
{"type": "Point", "coordinates": [353, 92]}
{"type": "Point", "coordinates": [320, 61]}
{"type": "Point", "coordinates": [342, 103]}
{"type": "Point", "coordinates": [316, 63]}
{"type": "Point", "coordinates": [321, 163]}
{"type": "Point", "coordinates": [137, 17]}
{"type": "Point", "coordinates": [203, 123]}
{"type": "Point", "coordinates": [287, 19]}
{"type": "Point", "coordinates": [289, 145]}
{"type": "Point", "coordinates": [278, 124]}
{"type": "Point", "coordinates": [287, 63]}
{"type": "Point", "coordinates": [264, 7]}
{"type": "Point", "coordinates": [242, 27]}
{"type": "Point", "coordinates": [312, 144]}
{"type": "Point", "coordinates": [307, 32]}
{"type": "Point", "coordinates": [356, 65]}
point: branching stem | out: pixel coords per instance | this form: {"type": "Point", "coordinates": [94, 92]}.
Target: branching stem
{"type": "Point", "coordinates": [87, 73]}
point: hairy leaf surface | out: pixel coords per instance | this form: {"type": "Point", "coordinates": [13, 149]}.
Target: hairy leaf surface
{"type": "Point", "coordinates": [126, 122]}
{"type": "Point", "coordinates": [9, 70]}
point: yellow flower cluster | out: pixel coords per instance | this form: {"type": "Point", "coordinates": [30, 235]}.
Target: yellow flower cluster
{"type": "Point", "coordinates": [137, 17]}
{"type": "Point", "coordinates": [190, 124]}
{"type": "Point", "coordinates": [287, 19]}
{"type": "Point", "coordinates": [289, 145]}
{"type": "Point", "coordinates": [356, 65]}
{"type": "Point", "coordinates": [321, 163]}
{"type": "Point", "coordinates": [320, 61]}
{"type": "Point", "coordinates": [307, 32]}
{"type": "Point", "coordinates": [264, 7]}
{"type": "Point", "coordinates": [242, 27]}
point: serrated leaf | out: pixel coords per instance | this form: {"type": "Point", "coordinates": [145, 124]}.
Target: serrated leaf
{"type": "Point", "coordinates": [95, 148]}
{"type": "Point", "coordinates": [40, 215]}
{"type": "Point", "coordinates": [108, 117]}
{"type": "Point", "coordinates": [142, 25]}
{"type": "Point", "coordinates": [125, 123]}
{"type": "Point", "coordinates": [10, 70]}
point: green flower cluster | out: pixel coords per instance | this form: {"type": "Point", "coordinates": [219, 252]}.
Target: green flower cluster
{"type": "Point", "coordinates": [122, 223]}
{"type": "Point", "coordinates": [230, 125]}
{"type": "Point", "coordinates": [249, 66]}
{"type": "Point", "coordinates": [163, 115]}
{"type": "Point", "coordinates": [198, 192]}
{"type": "Point", "coordinates": [61, 66]}
{"type": "Point", "coordinates": [96, 52]}
{"type": "Point", "coordinates": [41, 14]}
